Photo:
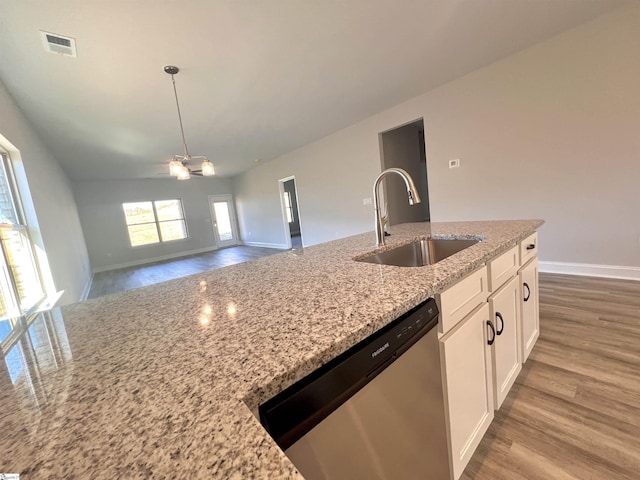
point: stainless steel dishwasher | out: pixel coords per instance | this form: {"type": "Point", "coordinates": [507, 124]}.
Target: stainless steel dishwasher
{"type": "Point", "coordinates": [374, 412]}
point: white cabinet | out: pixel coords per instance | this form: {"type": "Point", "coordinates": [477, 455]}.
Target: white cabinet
{"type": "Point", "coordinates": [529, 307]}
{"type": "Point", "coordinates": [504, 310]}
{"type": "Point", "coordinates": [484, 341]}
{"type": "Point", "coordinates": [528, 248]}
{"type": "Point", "coordinates": [467, 380]}
{"type": "Point", "coordinates": [503, 268]}
{"type": "Point", "coordinates": [458, 301]}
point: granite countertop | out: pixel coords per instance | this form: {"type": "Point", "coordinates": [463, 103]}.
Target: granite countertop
{"type": "Point", "coordinates": [161, 381]}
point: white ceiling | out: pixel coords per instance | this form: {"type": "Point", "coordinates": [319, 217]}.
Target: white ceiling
{"type": "Point", "coordinates": [258, 78]}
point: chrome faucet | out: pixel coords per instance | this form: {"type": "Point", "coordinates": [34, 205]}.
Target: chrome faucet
{"type": "Point", "coordinates": [412, 192]}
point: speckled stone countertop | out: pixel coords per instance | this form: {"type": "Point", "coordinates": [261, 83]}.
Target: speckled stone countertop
{"type": "Point", "coordinates": [160, 382]}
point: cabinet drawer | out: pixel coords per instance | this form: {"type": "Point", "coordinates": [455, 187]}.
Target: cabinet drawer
{"type": "Point", "coordinates": [460, 299]}
{"type": "Point", "coordinates": [528, 248]}
{"type": "Point", "coordinates": [502, 268]}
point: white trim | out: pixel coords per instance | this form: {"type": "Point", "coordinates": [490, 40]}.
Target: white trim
{"type": "Point", "coordinates": [153, 259]}
{"type": "Point", "coordinates": [285, 224]}
{"type": "Point", "coordinates": [87, 289]}
{"type": "Point", "coordinates": [590, 270]}
{"type": "Point", "coordinates": [287, 229]}
{"type": "Point", "coordinates": [49, 302]}
{"type": "Point", "coordinates": [267, 245]}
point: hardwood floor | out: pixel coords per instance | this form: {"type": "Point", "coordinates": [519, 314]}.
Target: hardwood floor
{"type": "Point", "coordinates": [128, 278]}
{"type": "Point", "coordinates": [296, 241]}
{"type": "Point", "coordinates": [574, 412]}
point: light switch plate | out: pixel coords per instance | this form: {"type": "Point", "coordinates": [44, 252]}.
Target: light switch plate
{"type": "Point", "coordinates": [455, 163]}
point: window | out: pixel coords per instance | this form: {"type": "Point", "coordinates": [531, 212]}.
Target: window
{"type": "Point", "coordinates": [21, 286]}
{"type": "Point", "coordinates": [154, 222]}
{"type": "Point", "coordinates": [288, 207]}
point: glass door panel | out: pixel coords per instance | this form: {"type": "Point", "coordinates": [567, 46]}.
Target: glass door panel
{"type": "Point", "coordinates": [223, 220]}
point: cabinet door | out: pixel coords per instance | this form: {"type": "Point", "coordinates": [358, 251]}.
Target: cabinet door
{"type": "Point", "coordinates": [529, 308]}
{"type": "Point", "coordinates": [504, 308]}
{"type": "Point", "coordinates": [466, 360]}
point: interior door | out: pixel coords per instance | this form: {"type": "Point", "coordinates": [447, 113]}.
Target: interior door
{"type": "Point", "coordinates": [224, 220]}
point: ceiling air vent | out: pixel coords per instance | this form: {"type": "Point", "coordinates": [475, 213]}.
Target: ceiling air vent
{"type": "Point", "coordinates": [55, 43]}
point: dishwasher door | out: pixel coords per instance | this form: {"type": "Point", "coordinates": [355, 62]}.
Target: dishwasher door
{"type": "Point", "coordinates": [393, 428]}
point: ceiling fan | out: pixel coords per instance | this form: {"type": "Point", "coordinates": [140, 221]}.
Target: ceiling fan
{"type": "Point", "coordinates": [178, 166]}
{"type": "Point", "coordinates": [194, 172]}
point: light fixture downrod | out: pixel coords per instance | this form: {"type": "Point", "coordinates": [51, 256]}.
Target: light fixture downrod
{"type": "Point", "coordinates": [173, 70]}
{"type": "Point", "coordinates": [178, 165]}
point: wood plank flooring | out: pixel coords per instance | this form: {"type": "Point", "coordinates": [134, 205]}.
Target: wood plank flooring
{"type": "Point", "coordinates": [574, 412]}
{"type": "Point", "coordinates": [128, 278]}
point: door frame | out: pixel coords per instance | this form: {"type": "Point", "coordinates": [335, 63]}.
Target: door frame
{"type": "Point", "coordinates": [383, 165]}
{"type": "Point", "coordinates": [232, 218]}
{"type": "Point", "coordinates": [283, 207]}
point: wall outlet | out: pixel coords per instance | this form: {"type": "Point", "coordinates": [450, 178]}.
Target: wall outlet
{"type": "Point", "coordinates": [455, 163]}
{"type": "Point", "coordinates": [367, 201]}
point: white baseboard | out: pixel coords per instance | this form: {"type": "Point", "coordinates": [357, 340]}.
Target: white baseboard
{"type": "Point", "coordinates": [267, 245]}
{"type": "Point", "coordinates": [153, 259]}
{"type": "Point", "coordinates": [87, 289]}
{"type": "Point", "coordinates": [589, 270]}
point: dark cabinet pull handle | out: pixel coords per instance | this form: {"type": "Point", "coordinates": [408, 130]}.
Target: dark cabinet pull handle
{"type": "Point", "coordinates": [500, 330]}
{"type": "Point", "coordinates": [528, 291]}
{"type": "Point", "coordinates": [531, 246]}
{"type": "Point", "coordinates": [493, 330]}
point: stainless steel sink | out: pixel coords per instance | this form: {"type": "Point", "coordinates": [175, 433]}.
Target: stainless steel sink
{"type": "Point", "coordinates": [420, 253]}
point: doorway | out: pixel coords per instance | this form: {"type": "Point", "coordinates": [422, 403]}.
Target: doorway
{"type": "Point", "coordinates": [290, 212]}
{"type": "Point", "coordinates": [224, 220]}
{"type": "Point", "coordinates": [404, 147]}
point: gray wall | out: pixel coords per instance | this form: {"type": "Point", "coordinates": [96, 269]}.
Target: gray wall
{"type": "Point", "coordinates": [103, 223]}
{"type": "Point", "coordinates": [49, 204]}
{"type": "Point", "coordinates": [333, 175]}
{"type": "Point", "coordinates": [551, 132]}
{"type": "Point", "coordinates": [403, 148]}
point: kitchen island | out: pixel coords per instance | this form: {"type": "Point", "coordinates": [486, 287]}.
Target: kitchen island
{"type": "Point", "coordinates": [164, 381]}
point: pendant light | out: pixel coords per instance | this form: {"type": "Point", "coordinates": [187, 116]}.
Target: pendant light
{"type": "Point", "coordinates": [178, 166]}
